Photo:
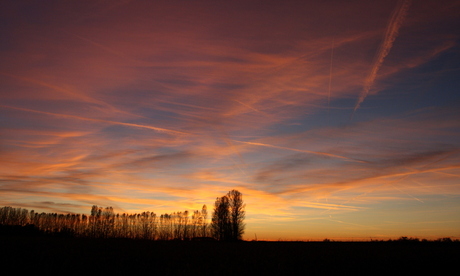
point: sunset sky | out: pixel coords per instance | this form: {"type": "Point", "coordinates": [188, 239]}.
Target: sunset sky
{"type": "Point", "coordinates": [334, 119]}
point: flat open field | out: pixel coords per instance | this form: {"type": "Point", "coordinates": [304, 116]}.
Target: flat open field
{"type": "Point", "coordinates": [72, 256]}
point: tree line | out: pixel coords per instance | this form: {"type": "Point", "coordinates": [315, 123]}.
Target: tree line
{"type": "Point", "coordinates": [226, 224]}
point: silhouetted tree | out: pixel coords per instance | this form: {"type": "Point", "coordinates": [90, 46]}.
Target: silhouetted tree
{"type": "Point", "coordinates": [227, 218]}
{"type": "Point", "coordinates": [107, 222]}
{"type": "Point", "coordinates": [104, 223]}
{"type": "Point", "coordinates": [237, 214]}
{"type": "Point", "coordinates": [221, 219]}
{"type": "Point", "coordinates": [204, 226]}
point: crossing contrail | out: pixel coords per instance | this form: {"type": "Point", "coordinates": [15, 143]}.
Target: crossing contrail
{"type": "Point", "coordinates": [391, 33]}
{"type": "Point", "coordinates": [157, 129]}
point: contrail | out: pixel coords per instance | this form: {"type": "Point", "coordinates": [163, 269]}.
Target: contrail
{"type": "Point", "coordinates": [229, 142]}
{"type": "Point", "coordinates": [329, 206]}
{"type": "Point", "coordinates": [391, 33]}
{"type": "Point", "coordinates": [330, 78]}
{"type": "Point", "coordinates": [248, 106]}
{"type": "Point", "coordinates": [158, 129]}
{"type": "Point", "coordinates": [252, 108]}
{"type": "Point", "coordinates": [298, 150]}
{"type": "Point", "coordinates": [407, 193]}
{"type": "Point", "coordinates": [110, 50]}
{"type": "Point", "coordinates": [78, 96]}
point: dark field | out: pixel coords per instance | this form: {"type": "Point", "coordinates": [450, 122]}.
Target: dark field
{"type": "Point", "coordinates": [72, 256]}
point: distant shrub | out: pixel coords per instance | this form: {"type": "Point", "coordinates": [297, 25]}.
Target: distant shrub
{"type": "Point", "coordinates": [406, 239]}
{"type": "Point", "coordinates": [445, 239]}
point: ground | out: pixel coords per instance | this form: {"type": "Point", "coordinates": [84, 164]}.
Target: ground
{"type": "Point", "coordinates": [71, 256]}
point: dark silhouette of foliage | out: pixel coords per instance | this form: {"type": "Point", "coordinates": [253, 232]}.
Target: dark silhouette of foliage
{"type": "Point", "coordinates": [104, 223]}
{"type": "Point", "coordinates": [446, 239]}
{"type": "Point", "coordinates": [221, 219]}
{"type": "Point", "coordinates": [406, 239]}
{"type": "Point", "coordinates": [237, 214]}
{"type": "Point", "coordinates": [227, 219]}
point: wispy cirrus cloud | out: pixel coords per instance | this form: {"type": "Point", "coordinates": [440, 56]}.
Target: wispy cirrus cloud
{"type": "Point", "coordinates": [145, 106]}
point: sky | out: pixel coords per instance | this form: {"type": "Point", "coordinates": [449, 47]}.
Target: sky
{"type": "Point", "coordinates": [334, 119]}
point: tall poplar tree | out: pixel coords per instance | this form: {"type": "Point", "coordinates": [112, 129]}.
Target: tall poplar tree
{"type": "Point", "coordinates": [227, 218]}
